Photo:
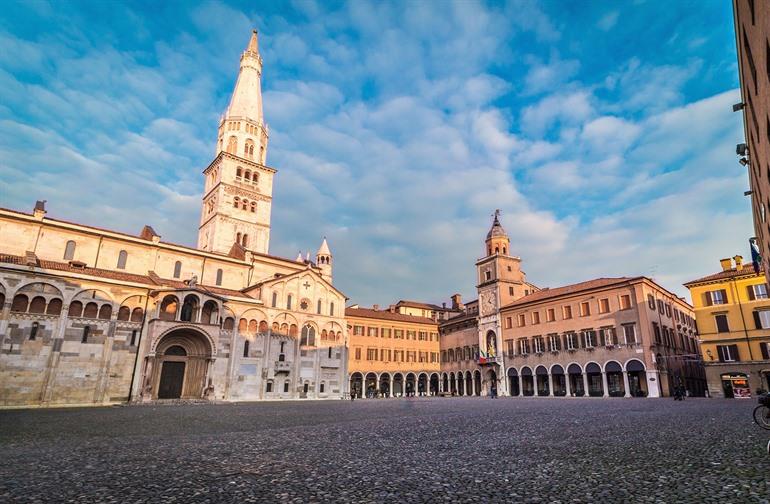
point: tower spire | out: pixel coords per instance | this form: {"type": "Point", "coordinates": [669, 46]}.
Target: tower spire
{"type": "Point", "coordinates": [253, 44]}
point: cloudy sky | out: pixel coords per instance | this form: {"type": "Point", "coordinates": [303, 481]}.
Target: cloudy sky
{"type": "Point", "coordinates": [602, 130]}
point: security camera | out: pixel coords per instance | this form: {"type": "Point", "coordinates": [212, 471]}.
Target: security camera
{"type": "Point", "coordinates": [741, 149]}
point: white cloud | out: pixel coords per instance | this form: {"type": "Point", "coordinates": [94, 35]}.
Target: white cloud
{"type": "Point", "coordinates": [608, 21]}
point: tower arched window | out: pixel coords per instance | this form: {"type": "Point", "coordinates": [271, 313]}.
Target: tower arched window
{"type": "Point", "coordinates": [253, 207]}
{"type": "Point", "coordinates": [331, 309]}
{"type": "Point", "coordinates": [244, 204]}
{"type": "Point", "coordinates": [122, 258]}
{"type": "Point", "coordinates": [245, 240]}
{"type": "Point", "coordinates": [261, 154]}
{"type": "Point", "coordinates": [69, 251]}
{"type": "Point", "coordinates": [248, 149]}
{"type": "Point", "coordinates": [238, 238]}
{"type": "Point", "coordinates": [177, 269]}
{"type": "Point", "coordinates": [247, 175]}
{"type": "Point", "coordinates": [238, 173]}
{"type": "Point", "coordinates": [232, 145]}
{"type": "Point", "coordinates": [288, 302]}
{"type": "Point", "coordinates": [236, 202]}
{"type": "Point", "coordinates": [219, 277]}
{"type": "Point", "coordinates": [318, 310]}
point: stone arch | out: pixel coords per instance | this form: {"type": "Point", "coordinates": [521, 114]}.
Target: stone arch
{"type": "Point", "coordinates": [593, 373]}
{"type": "Point", "coordinates": [96, 295]}
{"type": "Point", "coordinates": [370, 384]}
{"type": "Point", "coordinates": [410, 384]}
{"type": "Point", "coordinates": [513, 381]}
{"type": "Point", "coordinates": [434, 384]}
{"type": "Point", "coordinates": [190, 305]}
{"type": "Point", "coordinates": [422, 384]}
{"type": "Point", "coordinates": [356, 384]}
{"type": "Point", "coordinates": [613, 373]}
{"type": "Point", "coordinates": [179, 364]}
{"type": "Point", "coordinates": [168, 308]}
{"type": "Point", "coordinates": [384, 384]}
{"type": "Point", "coordinates": [559, 380]}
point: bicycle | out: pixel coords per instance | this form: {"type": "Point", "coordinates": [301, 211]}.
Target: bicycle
{"type": "Point", "coordinates": [762, 412]}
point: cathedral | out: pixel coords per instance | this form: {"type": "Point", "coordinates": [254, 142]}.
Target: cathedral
{"type": "Point", "coordinates": [92, 316]}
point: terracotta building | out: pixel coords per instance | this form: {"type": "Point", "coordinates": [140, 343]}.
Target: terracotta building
{"type": "Point", "coordinates": [732, 309]}
{"type": "Point", "coordinates": [92, 316]}
{"type": "Point", "coordinates": [752, 39]}
{"type": "Point", "coordinates": [392, 354]}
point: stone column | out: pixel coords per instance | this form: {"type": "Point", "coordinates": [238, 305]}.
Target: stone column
{"type": "Point", "coordinates": [390, 386]}
{"type": "Point", "coordinates": [57, 339]}
{"type": "Point", "coordinates": [606, 392]}
{"type": "Point", "coordinates": [585, 384]}
{"type": "Point", "coordinates": [4, 320]}
{"type": "Point", "coordinates": [626, 386]}
{"type": "Point", "coordinates": [550, 385]}
{"type": "Point", "coordinates": [567, 386]}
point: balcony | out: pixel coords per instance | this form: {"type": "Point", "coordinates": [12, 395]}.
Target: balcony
{"type": "Point", "coordinates": [282, 366]}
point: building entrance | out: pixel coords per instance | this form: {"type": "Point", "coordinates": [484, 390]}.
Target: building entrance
{"type": "Point", "coordinates": [171, 380]}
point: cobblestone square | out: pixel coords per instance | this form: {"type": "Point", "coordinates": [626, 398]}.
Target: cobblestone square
{"type": "Point", "coordinates": [398, 450]}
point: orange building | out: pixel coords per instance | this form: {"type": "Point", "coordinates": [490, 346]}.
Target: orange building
{"type": "Point", "coordinates": [391, 354]}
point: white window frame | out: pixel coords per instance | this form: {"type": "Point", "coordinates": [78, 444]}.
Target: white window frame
{"type": "Point", "coordinates": [764, 318]}
{"type": "Point", "coordinates": [571, 340]}
{"type": "Point", "coordinates": [760, 295]}
{"type": "Point", "coordinates": [632, 329]}
{"type": "Point", "coordinates": [590, 337]}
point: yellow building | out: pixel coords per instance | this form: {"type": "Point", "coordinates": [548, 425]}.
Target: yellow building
{"type": "Point", "coordinates": [732, 311]}
{"type": "Point", "coordinates": [391, 354]}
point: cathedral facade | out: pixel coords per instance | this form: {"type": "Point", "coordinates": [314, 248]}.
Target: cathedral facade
{"type": "Point", "coordinates": [92, 316]}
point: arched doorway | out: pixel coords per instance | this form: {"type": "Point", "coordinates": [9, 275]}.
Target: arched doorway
{"type": "Point", "coordinates": [398, 385]}
{"type": "Point", "coordinates": [542, 381]}
{"type": "Point", "coordinates": [615, 385]}
{"type": "Point", "coordinates": [594, 374]}
{"type": "Point", "coordinates": [434, 384]}
{"type": "Point", "coordinates": [410, 384]}
{"type": "Point", "coordinates": [468, 383]}
{"type": "Point", "coordinates": [492, 383]}
{"type": "Point", "coordinates": [190, 309]}
{"type": "Point", "coordinates": [460, 383]}
{"type": "Point", "coordinates": [452, 384]}
{"type": "Point", "coordinates": [637, 378]}
{"type": "Point", "coordinates": [527, 382]}
{"type": "Point", "coordinates": [356, 385]}
{"type": "Point", "coordinates": [559, 383]}
{"type": "Point", "coordinates": [180, 366]}
{"type": "Point", "coordinates": [422, 384]}
{"type": "Point", "coordinates": [445, 380]}
{"type": "Point", "coordinates": [513, 382]}
{"type": "Point", "coordinates": [477, 383]}
{"type": "Point", "coordinates": [385, 385]}
{"type": "Point", "coordinates": [575, 374]}
{"type": "Point", "coordinates": [371, 385]}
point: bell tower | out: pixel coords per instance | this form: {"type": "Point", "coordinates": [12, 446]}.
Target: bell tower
{"type": "Point", "coordinates": [500, 281]}
{"type": "Point", "coordinates": [237, 196]}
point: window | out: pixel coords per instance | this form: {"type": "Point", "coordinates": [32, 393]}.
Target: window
{"type": "Point", "coordinates": [385, 333]}
{"type": "Point", "coordinates": [133, 338]}
{"type": "Point", "coordinates": [509, 348]}
{"type": "Point", "coordinates": [508, 322]}
{"type": "Point", "coordinates": [750, 59]}
{"type": "Point", "coordinates": [307, 338]}
{"type": "Point", "coordinates": [358, 330]}
{"type": "Point", "coordinates": [625, 302]}
{"type": "Point", "coordinates": [177, 269]}
{"type": "Point", "coordinates": [566, 312]}
{"type": "Point", "coordinates": [269, 387]}
{"type": "Point", "coordinates": [398, 334]}
{"type": "Point", "coordinates": [487, 275]}
{"type": "Point", "coordinates": [554, 342]}
{"type": "Point", "coordinates": [286, 386]}
{"type": "Point", "coordinates": [331, 309]}
{"type": "Point", "coordinates": [585, 309]}
{"type": "Point", "coordinates": [371, 331]}
{"type": "Point", "coordinates": [522, 320]}
{"type": "Point", "coordinates": [535, 318]}
{"type": "Point", "coordinates": [510, 291]}
{"type": "Point", "coordinates": [219, 277]}
{"type": "Point", "coordinates": [330, 353]}
{"type": "Point", "coordinates": [537, 343]}
{"type": "Point", "coordinates": [288, 302]}
{"type": "Point", "coordinates": [717, 297]}
{"type": "Point", "coordinates": [321, 389]}
{"type": "Point", "coordinates": [668, 310]}
{"type": "Point", "coordinates": [422, 336]}
{"type": "Point", "coordinates": [722, 325]}
{"type": "Point", "coordinates": [33, 331]}
{"type": "Point", "coordinates": [69, 251]}
{"type": "Point", "coordinates": [765, 348]}
{"type": "Point", "coordinates": [523, 346]}
{"type": "Point", "coordinates": [762, 319]}
{"type": "Point", "coordinates": [412, 335]}
{"type": "Point", "coordinates": [275, 299]}
{"type": "Point", "coordinates": [656, 331]}
{"type": "Point", "coordinates": [246, 348]}
{"type": "Point", "coordinates": [589, 337]}
{"type": "Point", "coordinates": [651, 302]}
{"type": "Point", "coordinates": [570, 341]}
{"type": "Point", "coordinates": [550, 315]}
{"type": "Point", "coordinates": [122, 258]}
{"type": "Point", "coordinates": [758, 291]}
{"type": "Point", "coordinates": [318, 307]}
{"type": "Point", "coordinates": [728, 353]}
{"type": "Point", "coordinates": [604, 305]}
{"type": "Point", "coordinates": [236, 202]}
{"type": "Point", "coordinates": [629, 333]}
{"type": "Point", "coordinates": [86, 331]}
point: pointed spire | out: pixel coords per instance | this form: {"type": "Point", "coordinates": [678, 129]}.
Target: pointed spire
{"type": "Point", "coordinates": [299, 257]}
{"type": "Point", "coordinates": [253, 43]}
{"type": "Point", "coordinates": [324, 249]}
{"type": "Point", "coordinates": [497, 228]}
{"type": "Point", "coordinates": [307, 258]}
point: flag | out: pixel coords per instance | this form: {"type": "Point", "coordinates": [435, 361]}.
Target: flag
{"type": "Point", "coordinates": [756, 257]}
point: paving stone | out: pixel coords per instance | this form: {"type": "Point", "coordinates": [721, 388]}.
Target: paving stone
{"type": "Point", "coordinates": [398, 450]}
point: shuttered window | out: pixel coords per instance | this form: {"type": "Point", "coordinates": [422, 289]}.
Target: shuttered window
{"type": "Point", "coordinates": [728, 353]}
{"type": "Point", "coordinates": [758, 291]}
{"type": "Point", "coordinates": [762, 319]}
{"type": "Point", "coordinates": [716, 297]}
{"type": "Point", "coordinates": [722, 325]}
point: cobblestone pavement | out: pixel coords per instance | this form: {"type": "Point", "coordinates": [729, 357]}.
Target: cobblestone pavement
{"type": "Point", "coordinates": [397, 450]}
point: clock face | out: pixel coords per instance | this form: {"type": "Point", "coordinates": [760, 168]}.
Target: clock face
{"type": "Point", "coordinates": [488, 302]}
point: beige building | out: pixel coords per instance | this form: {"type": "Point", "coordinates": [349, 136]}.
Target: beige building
{"type": "Point", "coordinates": [392, 354]}
{"type": "Point", "coordinates": [752, 40]}
{"type": "Point", "coordinates": [605, 337]}
{"type": "Point", "coordinates": [92, 316]}
{"type": "Point", "coordinates": [732, 309]}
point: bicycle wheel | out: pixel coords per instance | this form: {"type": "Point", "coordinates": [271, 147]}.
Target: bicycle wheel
{"type": "Point", "coordinates": [762, 416]}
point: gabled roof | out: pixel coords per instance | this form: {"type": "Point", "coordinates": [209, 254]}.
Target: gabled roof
{"type": "Point", "coordinates": [386, 315]}
{"type": "Point", "coordinates": [548, 293]}
{"type": "Point", "coordinates": [309, 269]}
{"type": "Point", "coordinates": [417, 304]}
{"type": "Point", "coordinates": [746, 271]}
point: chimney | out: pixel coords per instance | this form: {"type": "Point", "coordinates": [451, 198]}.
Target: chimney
{"type": "Point", "coordinates": [375, 307]}
{"type": "Point", "coordinates": [392, 308]}
{"type": "Point", "coordinates": [456, 301]}
{"type": "Point", "coordinates": [443, 306]}
{"type": "Point", "coordinates": [39, 211]}
{"type": "Point", "coordinates": [738, 262]}
{"type": "Point", "coordinates": [727, 264]}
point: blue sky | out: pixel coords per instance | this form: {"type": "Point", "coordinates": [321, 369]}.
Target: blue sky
{"type": "Point", "coordinates": [603, 130]}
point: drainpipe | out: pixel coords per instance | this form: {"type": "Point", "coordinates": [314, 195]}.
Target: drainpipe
{"type": "Point", "coordinates": [138, 346]}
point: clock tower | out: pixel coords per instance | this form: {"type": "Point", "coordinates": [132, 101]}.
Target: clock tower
{"type": "Point", "coordinates": [500, 282]}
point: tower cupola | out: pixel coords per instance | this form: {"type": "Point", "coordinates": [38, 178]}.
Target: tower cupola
{"type": "Point", "coordinates": [323, 259]}
{"type": "Point", "coordinates": [497, 241]}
